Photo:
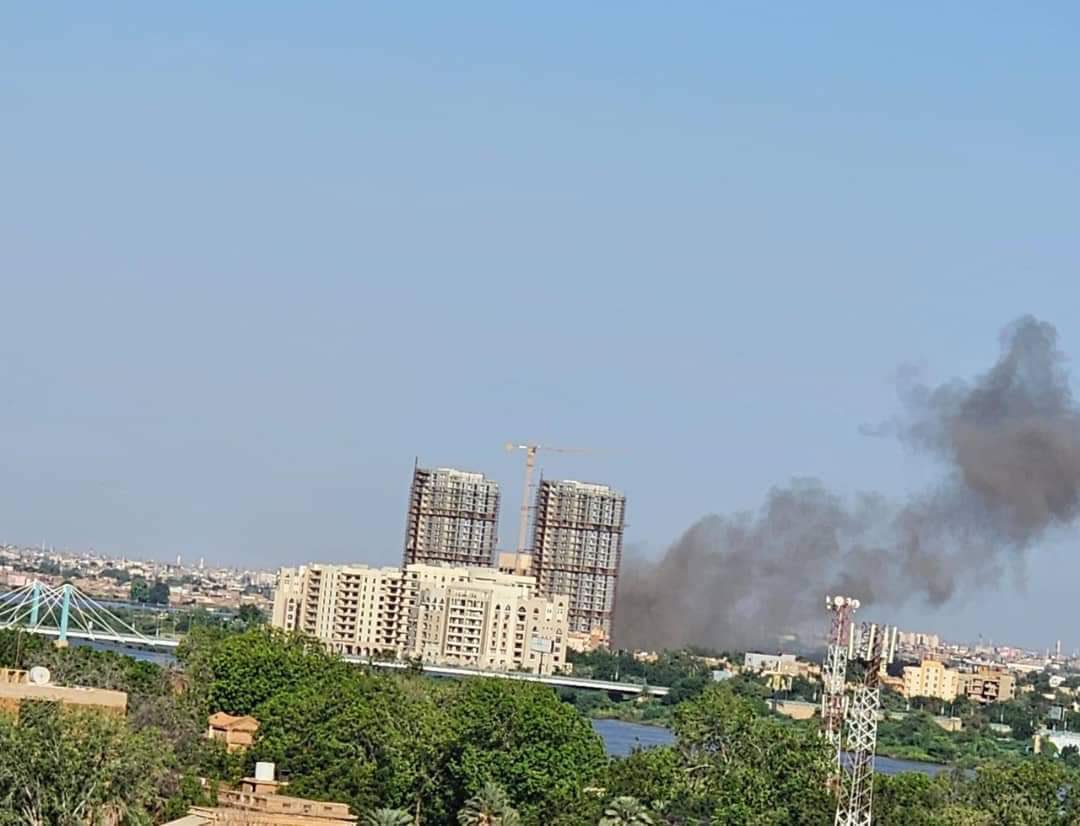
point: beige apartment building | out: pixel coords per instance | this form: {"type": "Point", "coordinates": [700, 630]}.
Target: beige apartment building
{"type": "Point", "coordinates": [931, 679]}
{"type": "Point", "coordinates": [356, 609]}
{"type": "Point", "coordinates": [469, 617]}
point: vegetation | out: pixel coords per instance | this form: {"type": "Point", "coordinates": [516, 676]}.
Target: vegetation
{"type": "Point", "coordinates": [625, 811]}
{"type": "Point", "coordinates": [408, 749]}
{"type": "Point", "coordinates": [489, 807]}
{"type": "Point", "coordinates": [156, 593]}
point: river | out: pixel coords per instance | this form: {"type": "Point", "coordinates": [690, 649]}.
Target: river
{"type": "Point", "coordinates": [620, 738]}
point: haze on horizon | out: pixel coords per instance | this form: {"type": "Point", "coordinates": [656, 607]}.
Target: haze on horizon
{"type": "Point", "coordinates": [256, 259]}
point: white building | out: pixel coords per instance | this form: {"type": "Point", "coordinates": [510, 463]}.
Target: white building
{"type": "Point", "coordinates": [474, 617]}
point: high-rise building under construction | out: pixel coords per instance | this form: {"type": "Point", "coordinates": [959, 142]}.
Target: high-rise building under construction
{"type": "Point", "coordinates": [577, 547]}
{"type": "Point", "coordinates": [453, 518]}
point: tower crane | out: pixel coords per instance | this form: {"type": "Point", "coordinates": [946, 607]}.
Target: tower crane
{"type": "Point", "coordinates": [530, 464]}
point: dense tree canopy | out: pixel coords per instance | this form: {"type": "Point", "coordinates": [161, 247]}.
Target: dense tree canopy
{"type": "Point", "coordinates": [75, 767]}
{"type": "Point", "coordinates": [404, 747]}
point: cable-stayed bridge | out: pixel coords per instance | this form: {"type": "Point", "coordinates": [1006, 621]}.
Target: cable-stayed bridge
{"type": "Point", "coordinates": [67, 613]}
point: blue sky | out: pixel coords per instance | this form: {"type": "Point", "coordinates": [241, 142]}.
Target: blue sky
{"type": "Point", "coordinates": [256, 258]}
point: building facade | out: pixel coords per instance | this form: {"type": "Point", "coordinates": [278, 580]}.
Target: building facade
{"type": "Point", "coordinates": [440, 614]}
{"type": "Point", "coordinates": [453, 518]}
{"type": "Point", "coordinates": [577, 548]}
{"type": "Point", "coordinates": [481, 618]}
{"type": "Point", "coordinates": [355, 609]}
{"type": "Point", "coordinates": [16, 687]}
{"type": "Point", "coordinates": [988, 685]}
{"type": "Point", "coordinates": [931, 679]}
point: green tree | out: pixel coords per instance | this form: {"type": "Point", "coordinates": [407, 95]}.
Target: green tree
{"type": "Point", "coordinates": [139, 590]}
{"type": "Point", "coordinates": [542, 751]}
{"type": "Point", "coordinates": [1027, 793]}
{"type": "Point", "coordinates": [367, 740]}
{"type": "Point", "coordinates": [159, 593]}
{"type": "Point", "coordinates": [250, 615]}
{"type": "Point", "coordinates": [746, 768]}
{"type": "Point", "coordinates": [1070, 755]}
{"type": "Point", "coordinates": [19, 649]}
{"type": "Point", "coordinates": [625, 811]}
{"type": "Point", "coordinates": [240, 671]}
{"type": "Point", "coordinates": [654, 775]}
{"type": "Point", "coordinates": [489, 807]}
{"type": "Point", "coordinates": [68, 767]}
{"type": "Point", "coordinates": [908, 799]}
{"type": "Point", "coordinates": [387, 817]}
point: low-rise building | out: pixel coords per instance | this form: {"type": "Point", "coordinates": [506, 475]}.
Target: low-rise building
{"type": "Point", "coordinates": [795, 709]}
{"type": "Point", "coordinates": [236, 732]}
{"type": "Point", "coordinates": [511, 562]}
{"type": "Point", "coordinates": [931, 679]}
{"type": "Point", "coordinates": [987, 685]}
{"type": "Point", "coordinates": [786, 664]}
{"type": "Point", "coordinates": [16, 685]}
{"type": "Point", "coordinates": [257, 801]}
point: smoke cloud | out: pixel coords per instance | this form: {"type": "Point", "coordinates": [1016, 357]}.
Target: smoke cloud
{"type": "Point", "coordinates": [1009, 442]}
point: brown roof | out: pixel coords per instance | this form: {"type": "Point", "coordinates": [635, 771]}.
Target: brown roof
{"type": "Point", "coordinates": [227, 721]}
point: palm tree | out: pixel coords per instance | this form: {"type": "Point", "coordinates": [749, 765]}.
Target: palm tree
{"type": "Point", "coordinates": [625, 811]}
{"type": "Point", "coordinates": [387, 817]}
{"type": "Point", "coordinates": [489, 807]}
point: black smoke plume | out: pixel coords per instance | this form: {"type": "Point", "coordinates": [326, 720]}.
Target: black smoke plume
{"type": "Point", "coordinates": [1009, 443]}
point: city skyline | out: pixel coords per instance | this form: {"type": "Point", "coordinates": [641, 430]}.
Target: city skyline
{"type": "Point", "coordinates": [247, 283]}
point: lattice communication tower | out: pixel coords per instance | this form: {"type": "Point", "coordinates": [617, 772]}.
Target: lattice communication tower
{"type": "Point", "coordinates": [873, 646]}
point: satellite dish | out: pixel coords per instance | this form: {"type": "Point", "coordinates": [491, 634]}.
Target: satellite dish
{"type": "Point", "coordinates": [39, 675]}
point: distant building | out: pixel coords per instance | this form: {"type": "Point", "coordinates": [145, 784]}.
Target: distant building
{"type": "Point", "coordinates": [474, 617]}
{"type": "Point", "coordinates": [988, 685]}
{"type": "Point", "coordinates": [577, 548]}
{"type": "Point", "coordinates": [795, 709]}
{"type": "Point", "coordinates": [237, 733]}
{"type": "Point", "coordinates": [931, 679]}
{"type": "Point", "coordinates": [775, 663]}
{"type": "Point", "coordinates": [452, 518]}
{"type": "Point", "coordinates": [257, 801]}
{"type": "Point", "coordinates": [583, 643]}
{"type": "Point", "coordinates": [16, 686]}
{"type": "Point", "coordinates": [514, 563]}
{"type": "Point", "coordinates": [1060, 739]}
{"type": "Point", "coordinates": [912, 639]}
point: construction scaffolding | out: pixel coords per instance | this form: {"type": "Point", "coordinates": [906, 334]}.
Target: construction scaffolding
{"type": "Point", "coordinates": [577, 547]}
{"type": "Point", "coordinates": [453, 518]}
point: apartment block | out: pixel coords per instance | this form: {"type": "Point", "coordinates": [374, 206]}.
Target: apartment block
{"type": "Point", "coordinates": [444, 615]}
{"type": "Point", "coordinates": [481, 618]}
{"type": "Point", "coordinates": [931, 679]}
{"type": "Point", "coordinates": [353, 608]}
{"type": "Point", "coordinates": [988, 685]}
{"type": "Point", "coordinates": [453, 518]}
{"type": "Point", "coordinates": [577, 547]}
